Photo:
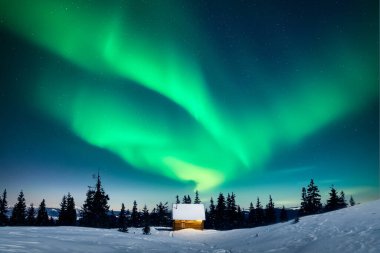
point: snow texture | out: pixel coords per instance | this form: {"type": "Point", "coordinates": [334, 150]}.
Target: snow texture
{"type": "Point", "coordinates": [189, 212]}
{"type": "Point", "coordinates": [350, 230]}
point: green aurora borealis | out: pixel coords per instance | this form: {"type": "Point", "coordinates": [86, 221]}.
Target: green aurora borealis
{"type": "Point", "coordinates": [175, 95]}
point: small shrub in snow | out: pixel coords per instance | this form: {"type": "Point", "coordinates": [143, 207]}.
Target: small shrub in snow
{"type": "Point", "coordinates": [146, 230]}
{"type": "Point", "coordinates": [296, 220]}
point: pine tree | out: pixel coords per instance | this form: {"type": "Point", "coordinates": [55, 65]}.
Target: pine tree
{"type": "Point", "coordinates": [239, 217]}
{"type": "Point", "coordinates": [145, 216]}
{"type": "Point", "coordinates": [122, 221]}
{"type": "Point", "coordinates": [71, 212]}
{"type": "Point", "coordinates": [333, 201]}
{"type": "Point", "coordinates": [184, 200]}
{"type": "Point", "coordinates": [162, 212]}
{"type": "Point", "coordinates": [212, 214]}
{"type": "Point", "coordinates": [62, 217]}
{"type": "Point", "coordinates": [197, 200]}
{"type": "Point", "coordinates": [95, 208]}
{"type": "Point", "coordinates": [233, 217]}
{"type": "Point", "coordinates": [270, 215]}
{"type": "Point", "coordinates": [303, 207]}
{"type": "Point", "coordinates": [30, 218]}
{"type": "Point", "coordinates": [259, 213]}
{"type": "Point", "coordinates": [188, 199]}
{"type": "Point", "coordinates": [42, 216]}
{"type": "Point", "coordinates": [352, 201]}
{"type": "Point", "coordinates": [177, 200]}
{"type": "Point", "coordinates": [135, 217]}
{"type": "Point", "coordinates": [220, 212]}
{"type": "Point", "coordinates": [283, 215]}
{"type": "Point", "coordinates": [313, 199]}
{"type": "Point", "coordinates": [3, 209]}
{"type": "Point", "coordinates": [251, 215]}
{"type": "Point", "coordinates": [19, 211]}
{"type": "Point", "coordinates": [342, 200]}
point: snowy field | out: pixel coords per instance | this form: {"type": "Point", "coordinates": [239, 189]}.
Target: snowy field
{"type": "Point", "coordinates": [354, 229]}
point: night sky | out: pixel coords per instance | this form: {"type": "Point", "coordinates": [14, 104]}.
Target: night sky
{"type": "Point", "coordinates": [165, 97]}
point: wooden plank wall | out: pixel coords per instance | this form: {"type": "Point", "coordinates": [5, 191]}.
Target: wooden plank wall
{"type": "Point", "coordinates": [182, 224]}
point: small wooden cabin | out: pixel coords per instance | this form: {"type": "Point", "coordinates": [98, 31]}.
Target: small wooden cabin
{"type": "Point", "coordinates": [188, 216]}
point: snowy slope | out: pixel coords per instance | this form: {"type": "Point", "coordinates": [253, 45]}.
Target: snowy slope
{"type": "Point", "coordinates": [354, 229]}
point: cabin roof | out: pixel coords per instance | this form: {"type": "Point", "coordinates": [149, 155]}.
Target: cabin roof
{"type": "Point", "coordinates": [188, 212]}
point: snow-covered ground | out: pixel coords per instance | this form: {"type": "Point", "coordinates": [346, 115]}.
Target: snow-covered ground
{"type": "Point", "coordinates": [354, 229]}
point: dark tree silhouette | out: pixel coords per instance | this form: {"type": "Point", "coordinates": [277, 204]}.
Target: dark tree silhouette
{"type": "Point", "coordinates": [42, 216]}
{"type": "Point", "coordinates": [352, 201]}
{"type": "Point", "coordinates": [177, 200]}
{"type": "Point", "coordinates": [62, 217]}
{"type": "Point", "coordinates": [342, 200]}
{"type": "Point", "coordinates": [251, 215]}
{"type": "Point", "coordinates": [303, 207]}
{"type": "Point", "coordinates": [95, 208]}
{"type": "Point", "coordinates": [197, 200]}
{"type": "Point", "coordinates": [333, 201]}
{"type": "Point", "coordinates": [19, 211]}
{"type": "Point", "coordinates": [220, 212]}
{"type": "Point", "coordinates": [162, 214]}
{"type": "Point", "coordinates": [259, 213]}
{"type": "Point", "coordinates": [145, 216]}
{"type": "Point", "coordinates": [135, 216]}
{"type": "Point", "coordinates": [211, 215]}
{"type": "Point", "coordinates": [71, 212]}
{"type": "Point", "coordinates": [283, 215]}
{"type": "Point", "coordinates": [122, 221]}
{"type": "Point", "coordinates": [270, 215]}
{"type": "Point", "coordinates": [313, 199]}
{"type": "Point", "coordinates": [3, 209]}
{"type": "Point", "coordinates": [30, 218]}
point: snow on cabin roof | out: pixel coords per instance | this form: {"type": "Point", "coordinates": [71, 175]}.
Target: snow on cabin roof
{"type": "Point", "coordinates": [188, 212]}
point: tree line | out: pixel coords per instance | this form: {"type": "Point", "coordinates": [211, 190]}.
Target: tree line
{"type": "Point", "coordinates": [222, 215]}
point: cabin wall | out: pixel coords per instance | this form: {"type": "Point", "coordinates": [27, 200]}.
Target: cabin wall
{"type": "Point", "coordinates": [182, 224]}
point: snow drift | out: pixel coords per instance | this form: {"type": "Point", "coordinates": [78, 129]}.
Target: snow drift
{"type": "Point", "coordinates": [353, 229]}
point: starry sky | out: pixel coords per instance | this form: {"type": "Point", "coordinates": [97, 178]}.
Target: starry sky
{"type": "Point", "coordinates": [165, 97]}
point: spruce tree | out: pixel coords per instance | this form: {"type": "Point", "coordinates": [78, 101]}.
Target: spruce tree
{"type": "Point", "coordinates": [162, 213]}
{"type": "Point", "coordinates": [145, 216]}
{"type": "Point", "coordinates": [333, 201]}
{"type": "Point", "coordinates": [270, 215]}
{"type": "Point", "coordinates": [197, 200]}
{"type": "Point", "coordinates": [30, 218]}
{"type": "Point", "coordinates": [283, 215]}
{"type": "Point", "coordinates": [259, 213]}
{"type": "Point", "coordinates": [95, 209]}
{"type": "Point", "coordinates": [342, 200]}
{"type": "Point", "coordinates": [212, 214]}
{"type": "Point", "coordinates": [220, 212]}
{"type": "Point", "coordinates": [184, 200]}
{"type": "Point", "coordinates": [239, 217]}
{"type": "Point", "coordinates": [177, 200]}
{"type": "Point", "coordinates": [19, 211]}
{"type": "Point", "coordinates": [135, 216]}
{"type": "Point", "coordinates": [188, 199]}
{"type": "Point", "coordinates": [42, 216]}
{"type": "Point", "coordinates": [71, 212]}
{"type": "Point", "coordinates": [352, 201]}
{"type": "Point", "coordinates": [302, 210]}
{"type": "Point", "coordinates": [112, 220]}
{"type": "Point", "coordinates": [62, 217]}
{"type": "Point", "coordinates": [233, 217]}
{"type": "Point", "coordinates": [122, 221]}
{"type": "Point", "coordinates": [313, 198]}
{"type": "Point", "coordinates": [3, 209]}
{"type": "Point", "coordinates": [251, 215]}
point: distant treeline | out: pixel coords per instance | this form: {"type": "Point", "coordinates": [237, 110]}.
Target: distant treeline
{"type": "Point", "coordinates": [222, 215]}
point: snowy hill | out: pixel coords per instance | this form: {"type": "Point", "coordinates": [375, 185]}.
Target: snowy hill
{"type": "Point", "coordinates": [354, 229]}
